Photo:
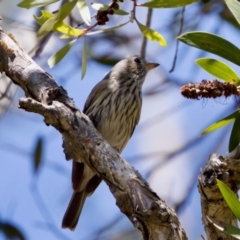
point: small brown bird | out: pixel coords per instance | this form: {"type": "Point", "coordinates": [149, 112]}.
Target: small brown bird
{"type": "Point", "coordinates": [114, 106]}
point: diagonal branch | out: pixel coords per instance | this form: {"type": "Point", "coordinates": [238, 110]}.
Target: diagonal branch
{"type": "Point", "coordinates": [133, 195]}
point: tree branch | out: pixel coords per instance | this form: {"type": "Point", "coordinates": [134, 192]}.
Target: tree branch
{"type": "Point", "coordinates": [81, 140]}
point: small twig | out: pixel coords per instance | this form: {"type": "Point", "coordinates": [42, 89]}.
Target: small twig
{"type": "Point", "coordinates": [144, 41]}
{"type": "Point", "coordinates": [177, 43]}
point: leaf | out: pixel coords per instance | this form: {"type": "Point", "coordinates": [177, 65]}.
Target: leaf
{"type": "Point", "coordinates": [44, 17]}
{"type": "Point", "coordinates": [151, 34]}
{"type": "Point", "coordinates": [226, 228]}
{"type": "Point", "coordinates": [84, 58]}
{"type": "Point", "coordinates": [11, 231]}
{"type": "Point", "coordinates": [38, 153]}
{"type": "Point", "coordinates": [84, 11]}
{"type": "Point", "coordinates": [47, 26]}
{"type": "Point", "coordinates": [65, 10]}
{"type": "Point", "coordinates": [107, 29]}
{"type": "Point", "coordinates": [230, 198]}
{"type": "Point", "coordinates": [167, 4]}
{"type": "Point", "coordinates": [213, 44]}
{"type": "Point", "coordinates": [57, 57]}
{"type": "Point", "coordinates": [102, 7]}
{"type": "Point", "coordinates": [35, 3]}
{"type": "Point", "coordinates": [222, 122]}
{"type": "Point", "coordinates": [234, 7]}
{"type": "Point", "coordinates": [235, 135]}
{"type": "Point", "coordinates": [218, 69]}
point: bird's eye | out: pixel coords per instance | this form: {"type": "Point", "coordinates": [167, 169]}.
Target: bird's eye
{"type": "Point", "coordinates": [137, 60]}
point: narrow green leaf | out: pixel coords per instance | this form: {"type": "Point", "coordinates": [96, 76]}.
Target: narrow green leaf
{"type": "Point", "coordinates": [47, 26]}
{"type": "Point", "coordinates": [102, 7]}
{"type": "Point", "coordinates": [35, 3]}
{"type": "Point", "coordinates": [57, 57]}
{"type": "Point", "coordinates": [107, 29]}
{"type": "Point", "coordinates": [234, 7]}
{"type": "Point", "coordinates": [226, 228]}
{"type": "Point", "coordinates": [167, 4]}
{"type": "Point", "coordinates": [84, 58]}
{"type": "Point", "coordinates": [151, 34]}
{"type": "Point", "coordinates": [11, 231]}
{"type": "Point", "coordinates": [235, 135]}
{"type": "Point", "coordinates": [65, 10]}
{"type": "Point", "coordinates": [64, 28]}
{"type": "Point", "coordinates": [44, 17]}
{"type": "Point", "coordinates": [38, 153]}
{"type": "Point", "coordinates": [230, 198]}
{"type": "Point", "coordinates": [213, 44]}
{"type": "Point", "coordinates": [218, 69]}
{"type": "Point", "coordinates": [222, 122]}
{"type": "Point", "coordinates": [84, 11]}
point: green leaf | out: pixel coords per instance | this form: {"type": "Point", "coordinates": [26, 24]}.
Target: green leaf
{"type": "Point", "coordinates": [11, 231]}
{"type": "Point", "coordinates": [167, 4]}
{"type": "Point", "coordinates": [84, 58]}
{"type": "Point", "coordinates": [234, 7]}
{"type": "Point", "coordinates": [47, 26]}
{"type": "Point", "coordinates": [218, 69]}
{"type": "Point", "coordinates": [235, 135]}
{"type": "Point", "coordinates": [44, 17]}
{"type": "Point", "coordinates": [151, 34]}
{"type": "Point", "coordinates": [35, 3]}
{"type": "Point", "coordinates": [65, 10]}
{"type": "Point", "coordinates": [230, 198]}
{"type": "Point", "coordinates": [38, 153]}
{"type": "Point", "coordinates": [222, 122]}
{"type": "Point", "coordinates": [213, 44]}
{"type": "Point", "coordinates": [84, 11]}
{"type": "Point", "coordinates": [57, 57]}
{"type": "Point", "coordinates": [226, 228]}
{"type": "Point", "coordinates": [107, 29]}
{"type": "Point", "coordinates": [102, 7]}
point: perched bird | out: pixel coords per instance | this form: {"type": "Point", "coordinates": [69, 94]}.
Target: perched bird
{"type": "Point", "coordinates": [114, 107]}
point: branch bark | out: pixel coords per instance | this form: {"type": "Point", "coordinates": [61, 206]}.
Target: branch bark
{"type": "Point", "coordinates": [213, 205]}
{"type": "Point", "coordinates": [133, 195]}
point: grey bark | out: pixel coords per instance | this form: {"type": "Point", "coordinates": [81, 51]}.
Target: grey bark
{"type": "Point", "coordinates": [133, 195]}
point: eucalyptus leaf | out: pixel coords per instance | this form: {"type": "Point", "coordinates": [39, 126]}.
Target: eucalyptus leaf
{"type": "Point", "coordinates": [218, 69]}
{"type": "Point", "coordinates": [213, 44]}
{"type": "Point", "coordinates": [235, 135]}
{"type": "Point", "coordinates": [230, 118]}
{"type": "Point", "coordinates": [234, 7]}
{"type": "Point", "coordinates": [167, 4]}
{"type": "Point", "coordinates": [58, 56]}
{"type": "Point", "coordinates": [35, 3]}
{"type": "Point", "coordinates": [84, 11]}
{"type": "Point", "coordinates": [84, 58]}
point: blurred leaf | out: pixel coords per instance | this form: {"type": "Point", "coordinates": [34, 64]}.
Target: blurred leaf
{"type": "Point", "coordinates": [84, 11]}
{"type": "Point", "coordinates": [106, 60]}
{"type": "Point", "coordinates": [167, 4]}
{"type": "Point", "coordinates": [235, 135]}
{"type": "Point", "coordinates": [218, 69]}
{"type": "Point", "coordinates": [222, 122]}
{"type": "Point", "coordinates": [107, 29]}
{"type": "Point", "coordinates": [38, 153]}
{"type": "Point", "coordinates": [213, 44]}
{"type": "Point", "coordinates": [230, 198]}
{"type": "Point", "coordinates": [57, 57]}
{"type": "Point", "coordinates": [35, 3]}
{"type": "Point", "coordinates": [47, 26]}
{"type": "Point", "coordinates": [151, 34]}
{"type": "Point", "coordinates": [102, 7]}
{"type": "Point", "coordinates": [65, 10]}
{"type": "Point", "coordinates": [60, 27]}
{"type": "Point", "coordinates": [11, 231]}
{"type": "Point", "coordinates": [234, 7]}
{"type": "Point", "coordinates": [226, 228]}
{"type": "Point", "coordinates": [84, 58]}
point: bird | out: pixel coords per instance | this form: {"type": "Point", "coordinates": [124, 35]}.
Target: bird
{"type": "Point", "coordinates": [114, 107]}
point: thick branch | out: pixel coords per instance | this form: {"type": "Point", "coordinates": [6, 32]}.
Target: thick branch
{"type": "Point", "coordinates": [81, 140]}
{"type": "Point", "coordinates": [213, 205]}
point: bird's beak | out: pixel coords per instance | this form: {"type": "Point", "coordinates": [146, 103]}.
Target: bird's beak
{"type": "Point", "coordinates": [151, 65]}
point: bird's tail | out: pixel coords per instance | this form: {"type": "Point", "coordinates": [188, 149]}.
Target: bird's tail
{"type": "Point", "coordinates": [71, 216]}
